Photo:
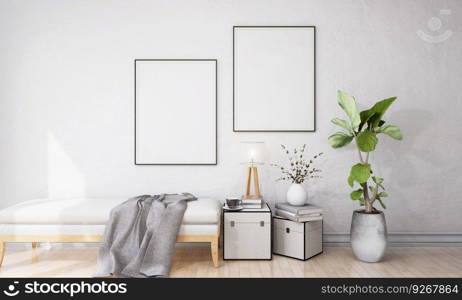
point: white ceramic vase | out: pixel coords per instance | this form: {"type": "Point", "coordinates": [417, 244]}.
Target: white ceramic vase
{"type": "Point", "coordinates": [297, 195]}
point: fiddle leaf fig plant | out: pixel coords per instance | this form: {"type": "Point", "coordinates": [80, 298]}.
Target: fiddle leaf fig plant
{"type": "Point", "coordinates": [364, 127]}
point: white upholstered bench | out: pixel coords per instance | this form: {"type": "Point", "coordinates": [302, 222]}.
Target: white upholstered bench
{"type": "Point", "coordinates": [83, 221]}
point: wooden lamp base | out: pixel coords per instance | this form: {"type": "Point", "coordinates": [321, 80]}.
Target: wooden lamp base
{"type": "Point", "coordinates": [252, 172]}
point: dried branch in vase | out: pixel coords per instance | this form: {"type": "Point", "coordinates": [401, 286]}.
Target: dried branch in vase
{"type": "Point", "coordinates": [299, 168]}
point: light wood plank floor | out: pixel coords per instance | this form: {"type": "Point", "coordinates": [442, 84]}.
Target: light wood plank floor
{"type": "Point", "coordinates": [195, 261]}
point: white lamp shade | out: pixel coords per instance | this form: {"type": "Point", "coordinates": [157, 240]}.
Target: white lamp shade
{"type": "Point", "coordinates": [253, 153]}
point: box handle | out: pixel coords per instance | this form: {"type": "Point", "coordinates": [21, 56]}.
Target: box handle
{"type": "Point", "coordinates": [287, 230]}
{"type": "Point", "coordinates": [262, 223]}
{"type": "Point", "coordinates": [232, 223]}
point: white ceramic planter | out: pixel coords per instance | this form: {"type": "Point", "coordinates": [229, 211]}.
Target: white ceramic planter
{"type": "Point", "coordinates": [368, 236]}
{"type": "Point", "coordinates": [297, 195]}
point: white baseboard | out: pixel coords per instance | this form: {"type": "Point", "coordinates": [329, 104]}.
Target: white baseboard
{"type": "Point", "coordinates": [404, 239]}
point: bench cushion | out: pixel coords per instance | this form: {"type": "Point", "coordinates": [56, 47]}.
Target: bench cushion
{"type": "Point", "coordinates": [93, 211]}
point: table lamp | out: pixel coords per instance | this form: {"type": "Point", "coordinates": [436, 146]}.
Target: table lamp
{"type": "Point", "coordinates": [252, 154]}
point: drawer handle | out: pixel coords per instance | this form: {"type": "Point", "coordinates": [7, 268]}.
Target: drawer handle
{"type": "Point", "coordinates": [262, 223]}
{"type": "Point", "coordinates": [232, 223]}
{"type": "Point", "coordinates": [287, 230]}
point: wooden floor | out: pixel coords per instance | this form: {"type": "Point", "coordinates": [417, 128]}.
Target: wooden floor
{"type": "Point", "coordinates": [195, 261]}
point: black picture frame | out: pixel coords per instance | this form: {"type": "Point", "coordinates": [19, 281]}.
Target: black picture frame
{"type": "Point", "coordinates": [216, 112]}
{"type": "Point", "coordinates": [314, 77]}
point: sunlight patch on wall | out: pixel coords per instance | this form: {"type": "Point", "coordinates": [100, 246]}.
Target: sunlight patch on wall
{"type": "Point", "coordinates": [64, 178]}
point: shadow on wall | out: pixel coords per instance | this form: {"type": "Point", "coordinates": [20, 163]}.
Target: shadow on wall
{"type": "Point", "coordinates": [405, 165]}
{"type": "Point", "coordinates": [407, 154]}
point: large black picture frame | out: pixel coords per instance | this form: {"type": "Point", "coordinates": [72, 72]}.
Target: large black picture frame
{"type": "Point", "coordinates": [215, 162]}
{"type": "Point", "coordinates": [256, 113]}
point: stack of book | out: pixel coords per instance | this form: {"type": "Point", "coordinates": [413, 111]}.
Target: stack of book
{"type": "Point", "coordinates": [252, 202]}
{"type": "Point", "coordinates": [304, 213]}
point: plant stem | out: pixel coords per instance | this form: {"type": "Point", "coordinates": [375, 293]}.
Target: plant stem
{"type": "Point", "coordinates": [367, 202]}
{"type": "Point", "coordinates": [360, 156]}
{"type": "Point", "coordinates": [374, 196]}
{"type": "Point", "coordinates": [361, 159]}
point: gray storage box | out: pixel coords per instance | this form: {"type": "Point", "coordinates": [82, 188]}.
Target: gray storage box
{"type": "Point", "coordinates": [247, 234]}
{"type": "Point", "coordinates": [300, 240]}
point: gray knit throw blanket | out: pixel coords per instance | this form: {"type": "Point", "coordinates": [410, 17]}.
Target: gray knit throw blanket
{"type": "Point", "coordinates": [140, 236]}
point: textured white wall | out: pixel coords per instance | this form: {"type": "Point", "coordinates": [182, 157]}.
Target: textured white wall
{"type": "Point", "coordinates": [66, 92]}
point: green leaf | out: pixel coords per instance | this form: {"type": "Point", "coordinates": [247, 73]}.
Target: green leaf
{"type": "Point", "coordinates": [379, 109]}
{"type": "Point", "coordinates": [373, 189]}
{"type": "Point", "coordinates": [378, 181]}
{"type": "Point", "coordinates": [392, 131]}
{"type": "Point", "coordinates": [355, 195]}
{"type": "Point", "coordinates": [360, 172]}
{"type": "Point", "coordinates": [383, 194]}
{"type": "Point", "coordinates": [348, 104]}
{"type": "Point", "coordinates": [361, 201]}
{"type": "Point", "coordinates": [340, 139]}
{"type": "Point", "coordinates": [342, 123]}
{"type": "Point", "coordinates": [366, 141]}
{"type": "Point", "coordinates": [373, 116]}
{"type": "Point", "coordinates": [365, 115]}
{"type": "Point", "coordinates": [381, 203]}
{"type": "Point", "coordinates": [351, 181]}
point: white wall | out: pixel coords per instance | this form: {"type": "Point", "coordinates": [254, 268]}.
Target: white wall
{"type": "Point", "coordinates": [66, 92]}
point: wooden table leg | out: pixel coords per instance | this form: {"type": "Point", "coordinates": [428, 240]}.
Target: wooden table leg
{"type": "Point", "coordinates": [2, 251]}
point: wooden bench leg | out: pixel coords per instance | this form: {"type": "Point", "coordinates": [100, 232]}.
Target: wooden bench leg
{"type": "Point", "coordinates": [214, 249]}
{"type": "Point", "coordinates": [34, 252]}
{"type": "Point", "coordinates": [2, 252]}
